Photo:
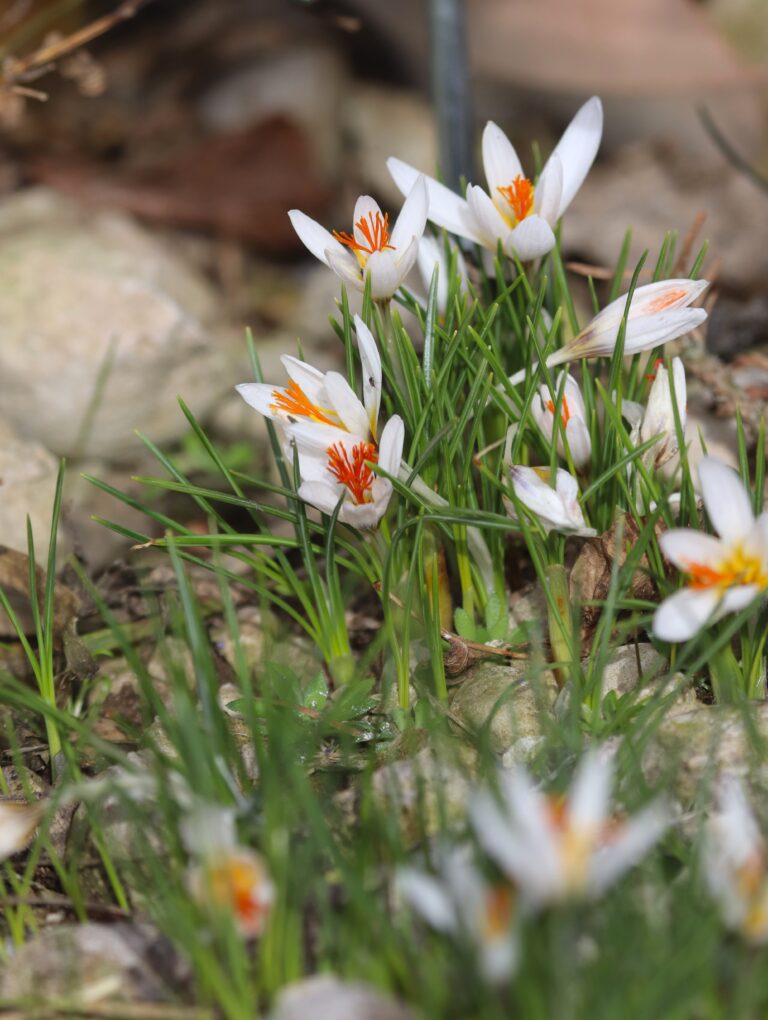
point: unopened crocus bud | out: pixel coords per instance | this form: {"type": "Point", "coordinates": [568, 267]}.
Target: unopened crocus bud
{"type": "Point", "coordinates": [659, 417]}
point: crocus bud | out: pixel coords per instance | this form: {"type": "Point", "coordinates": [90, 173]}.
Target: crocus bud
{"type": "Point", "coordinates": [659, 417]}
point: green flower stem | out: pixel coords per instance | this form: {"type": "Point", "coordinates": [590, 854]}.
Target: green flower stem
{"type": "Point", "coordinates": [559, 617]}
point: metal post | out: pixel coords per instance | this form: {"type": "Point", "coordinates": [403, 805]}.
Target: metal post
{"type": "Point", "coordinates": [450, 88]}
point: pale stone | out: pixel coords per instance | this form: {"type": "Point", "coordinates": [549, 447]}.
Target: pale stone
{"type": "Point", "coordinates": [27, 486]}
{"type": "Point", "coordinates": [103, 327]}
{"type": "Point", "coordinates": [91, 963]}
{"type": "Point", "coordinates": [501, 697]}
{"type": "Point", "coordinates": [688, 749]}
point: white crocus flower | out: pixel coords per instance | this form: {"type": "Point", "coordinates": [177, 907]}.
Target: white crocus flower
{"type": "Point", "coordinates": [432, 253]}
{"type": "Point", "coordinates": [725, 574]}
{"type": "Point", "coordinates": [223, 875]}
{"type": "Point", "coordinates": [18, 822]}
{"type": "Point", "coordinates": [370, 250]}
{"type": "Point", "coordinates": [335, 465]}
{"type": "Point", "coordinates": [659, 416]}
{"type": "Point", "coordinates": [658, 313]}
{"type": "Point", "coordinates": [513, 211]}
{"type": "Point", "coordinates": [335, 434]}
{"type": "Point", "coordinates": [325, 398]}
{"type": "Point", "coordinates": [735, 862]}
{"type": "Point", "coordinates": [573, 415]}
{"type": "Point", "coordinates": [462, 902]}
{"type": "Point", "coordinates": [558, 848]}
{"type": "Point", "coordinates": [557, 509]}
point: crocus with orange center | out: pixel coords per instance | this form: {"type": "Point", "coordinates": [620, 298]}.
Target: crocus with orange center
{"type": "Point", "coordinates": [323, 398]}
{"type": "Point", "coordinates": [572, 416]}
{"type": "Point", "coordinates": [726, 573]}
{"type": "Point", "coordinates": [554, 850]}
{"type": "Point", "coordinates": [371, 250]}
{"type": "Point", "coordinates": [236, 882]}
{"type": "Point", "coordinates": [514, 212]}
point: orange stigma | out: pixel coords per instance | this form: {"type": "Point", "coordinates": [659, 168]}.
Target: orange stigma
{"type": "Point", "coordinates": [375, 229]}
{"type": "Point", "coordinates": [293, 400]}
{"type": "Point", "coordinates": [354, 473]}
{"type": "Point", "coordinates": [565, 415]}
{"type": "Point", "coordinates": [519, 194]}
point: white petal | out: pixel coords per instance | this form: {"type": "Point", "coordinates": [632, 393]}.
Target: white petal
{"type": "Point", "coordinates": [737, 598]}
{"type": "Point", "coordinates": [579, 442]}
{"type": "Point", "coordinates": [499, 160]}
{"type": "Point", "coordinates": [346, 405]}
{"type": "Point", "coordinates": [652, 298]}
{"type": "Point", "coordinates": [590, 792]}
{"type": "Point", "coordinates": [309, 378]}
{"type": "Point", "coordinates": [321, 495]}
{"type": "Point", "coordinates": [655, 330]}
{"type": "Point", "coordinates": [756, 542]}
{"type": "Point", "coordinates": [432, 253]}
{"type": "Point", "coordinates": [446, 208]}
{"type": "Point", "coordinates": [529, 858]}
{"type": "Point", "coordinates": [686, 548]}
{"type": "Point", "coordinates": [346, 266]}
{"type": "Point", "coordinates": [412, 220]}
{"type": "Point", "coordinates": [530, 239]}
{"type": "Point", "coordinates": [426, 895]}
{"type": "Point", "coordinates": [370, 361]}
{"type": "Point", "coordinates": [312, 436]}
{"type": "Point", "coordinates": [391, 445]}
{"type": "Point", "coordinates": [259, 396]}
{"type": "Point", "coordinates": [726, 500]}
{"type": "Point", "coordinates": [549, 190]}
{"type": "Point", "coordinates": [386, 277]}
{"type": "Point", "coordinates": [635, 839]}
{"type": "Point", "coordinates": [17, 825]}
{"type": "Point", "coordinates": [577, 149]}
{"type": "Point", "coordinates": [490, 223]}
{"type": "Point", "coordinates": [366, 516]}
{"type": "Point", "coordinates": [316, 238]}
{"type": "Point", "coordinates": [405, 259]}
{"type": "Point", "coordinates": [366, 209]}
{"type": "Point", "coordinates": [683, 614]}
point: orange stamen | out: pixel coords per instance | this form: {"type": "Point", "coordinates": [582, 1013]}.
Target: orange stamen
{"type": "Point", "coordinates": [565, 410]}
{"type": "Point", "coordinates": [354, 473]}
{"type": "Point", "coordinates": [664, 301]}
{"type": "Point", "coordinates": [293, 400]}
{"type": "Point", "coordinates": [519, 194]}
{"type": "Point", "coordinates": [375, 230]}
{"type": "Point", "coordinates": [737, 568]}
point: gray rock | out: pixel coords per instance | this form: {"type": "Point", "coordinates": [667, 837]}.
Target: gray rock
{"type": "Point", "coordinates": [326, 997]}
{"type": "Point", "coordinates": [622, 674]}
{"type": "Point", "coordinates": [28, 477]}
{"type": "Point", "coordinates": [425, 790]}
{"type": "Point", "coordinates": [91, 963]}
{"type": "Point", "coordinates": [501, 697]}
{"type": "Point", "coordinates": [102, 327]}
{"type": "Point", "coordinates": [690, 747]}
